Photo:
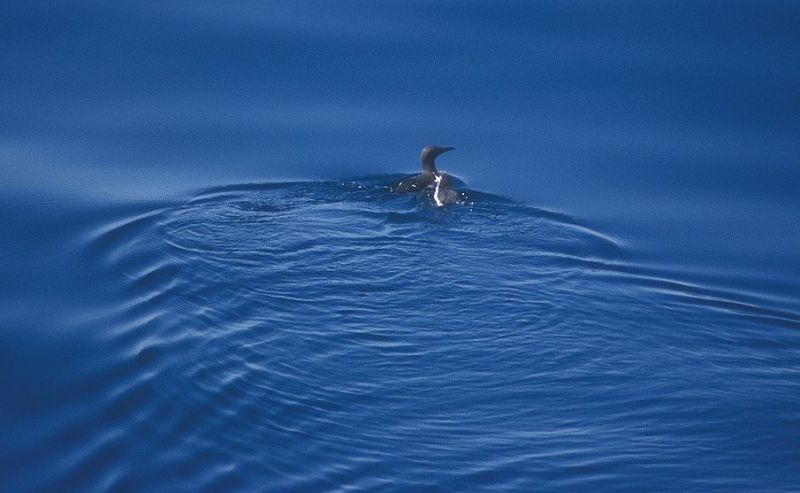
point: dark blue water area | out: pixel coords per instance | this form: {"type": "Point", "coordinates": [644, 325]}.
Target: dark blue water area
{"type": "Point", "coordinates": [208, 284]}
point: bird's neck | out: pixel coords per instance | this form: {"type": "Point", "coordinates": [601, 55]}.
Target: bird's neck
{"type": "Point", "coordinates": [428, 164]}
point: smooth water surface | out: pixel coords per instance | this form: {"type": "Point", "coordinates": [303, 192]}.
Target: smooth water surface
{"type": "Point", "coordinates": [207, 284]}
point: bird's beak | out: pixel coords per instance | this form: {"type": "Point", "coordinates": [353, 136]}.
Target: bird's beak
{"type": "Point", "coordinates": [442, 150]}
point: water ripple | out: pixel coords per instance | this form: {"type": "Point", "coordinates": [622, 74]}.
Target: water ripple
{"type": "Point", "coordinates": [336, 336]}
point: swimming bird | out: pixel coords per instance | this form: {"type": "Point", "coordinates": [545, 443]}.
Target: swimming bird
{"type": "Point", "coordinates": [443, 194]}
{"type": "Point", "coordinates": [426, 178]}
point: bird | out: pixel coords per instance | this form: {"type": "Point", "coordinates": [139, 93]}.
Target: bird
{"type": "Point", "coordinates": [443, 194]}
{"type": "Point", "coordinates": [426, 178]}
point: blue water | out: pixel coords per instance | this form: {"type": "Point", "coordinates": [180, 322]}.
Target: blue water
{"type": "Point", "coordinates": [207, 284]}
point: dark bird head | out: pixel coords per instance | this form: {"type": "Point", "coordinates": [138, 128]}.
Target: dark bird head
{"type": "Point", "coordinates": [428, 157]}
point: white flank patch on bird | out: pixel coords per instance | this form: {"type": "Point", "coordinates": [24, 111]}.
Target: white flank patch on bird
{"type": "Point", "coordinates": [438, 179]}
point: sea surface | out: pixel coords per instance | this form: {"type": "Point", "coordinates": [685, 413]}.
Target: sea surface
{"type": "Point", "coordinates": [208, 284]}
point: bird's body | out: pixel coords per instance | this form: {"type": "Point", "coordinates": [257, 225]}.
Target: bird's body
{"type": "Point", "coordinates": [415, 183]}
{"type": "Point", "coordinates": [443, 194]}
{"type": "Point", "coordinates": [428, 176]}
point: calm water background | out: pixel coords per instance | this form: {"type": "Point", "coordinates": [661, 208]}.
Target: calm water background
{"type": "Point", "coordinates": [206, 284]}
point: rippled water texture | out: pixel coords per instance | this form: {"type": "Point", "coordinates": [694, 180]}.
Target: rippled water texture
{"type": "Point", "coordinates": [320, 335]}
{"type": "Point", "coordinates": [206, 283]}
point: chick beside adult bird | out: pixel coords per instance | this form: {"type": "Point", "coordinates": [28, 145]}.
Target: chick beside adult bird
{"type": "Point", "coordinates": [443, 194]}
